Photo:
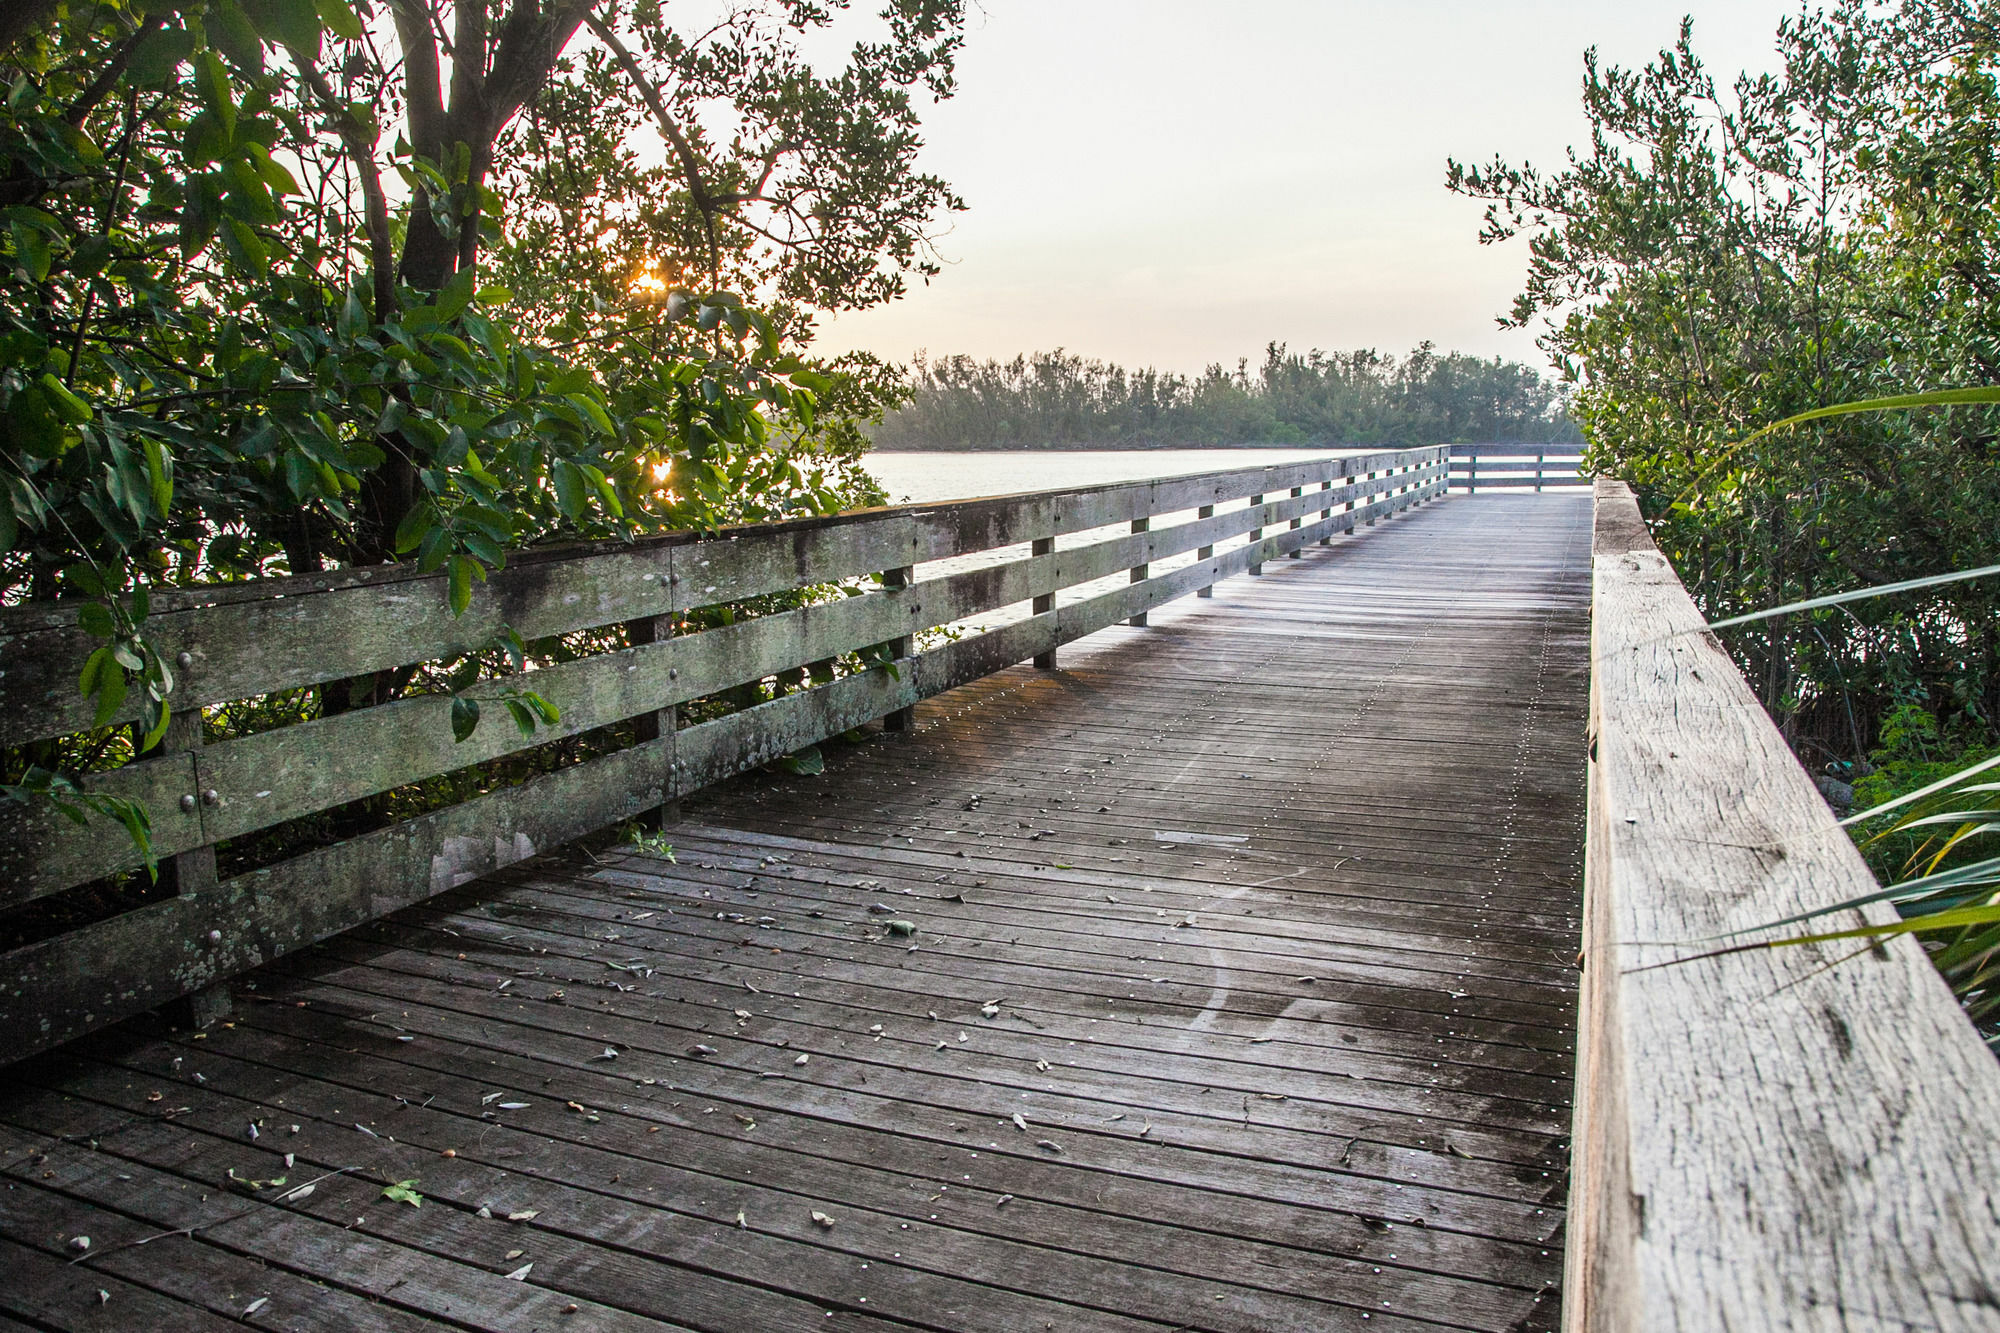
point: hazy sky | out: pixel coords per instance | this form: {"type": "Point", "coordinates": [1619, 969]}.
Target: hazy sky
{"type": "Point", "coordinates": [1176, 182]}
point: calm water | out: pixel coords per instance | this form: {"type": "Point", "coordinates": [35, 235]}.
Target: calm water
{"type": "Point", "coordinates": [924, 477]}
{"type": "Point", "coordinates": [927, 477]}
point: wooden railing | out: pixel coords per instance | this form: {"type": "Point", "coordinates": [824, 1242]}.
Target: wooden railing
{"type": "Point", "coordinates": [245, 641]}
{"type": "Point", "coordinates": [1790, 1138]}
{"type": "Point", "coordinates": [1477, 467]}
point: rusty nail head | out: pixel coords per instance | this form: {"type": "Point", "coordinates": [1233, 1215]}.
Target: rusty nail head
{"type": "Point", "coordinates": [187, 801]}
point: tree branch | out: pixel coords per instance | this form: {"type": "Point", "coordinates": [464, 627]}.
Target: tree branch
{"type": "Point", "coordinates": [690, 164]}
{"type": "Point", "coordinates": [375, 204]}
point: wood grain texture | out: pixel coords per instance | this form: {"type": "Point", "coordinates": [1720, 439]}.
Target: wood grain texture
{"type": "Point", "coordinates": [97, 974]}
{"type": "Point", "coordinates": [1797, 1138]}
{"type": "Point", "coordinates": [1290, 1008]}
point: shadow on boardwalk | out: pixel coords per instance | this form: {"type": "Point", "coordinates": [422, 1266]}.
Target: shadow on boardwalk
{"type": "Point", "coordinates": [1239, 997]}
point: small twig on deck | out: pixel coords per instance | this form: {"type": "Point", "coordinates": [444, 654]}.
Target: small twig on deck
{"type": "Point", "coordinates": [203, 1226]}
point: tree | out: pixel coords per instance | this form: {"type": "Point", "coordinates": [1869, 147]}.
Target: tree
{"type": "Point", "coordinates": [251, 322]}
{"type": "Point", "coordinates": [1723, 256]}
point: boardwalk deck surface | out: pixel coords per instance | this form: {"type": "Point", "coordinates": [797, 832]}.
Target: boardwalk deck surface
{"type": "Point", "coordinates": [1240, 998]}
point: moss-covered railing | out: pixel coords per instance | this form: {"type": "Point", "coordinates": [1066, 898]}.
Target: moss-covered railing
{"type": "Point", "coordinates": [248, 641]}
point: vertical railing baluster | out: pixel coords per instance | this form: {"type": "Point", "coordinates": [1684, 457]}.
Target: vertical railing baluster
{"type": "Point", "coordinates": [1326, 538]}
{"type": "Point", "coordinates": [1046, 602]}
{"type": "Point", "coordinates": [192, 873]}
{"type": "Point", "coordinates": [1140, 573]}
{"type": "Point", "coordinates": [659, 724]}
{"type": "Point", "coordinates": [903, 719]}
{"type": "Point", "coordinates": [1295, 553]}
{"type": "Point", "coordinates": [1257, 533]}
{"type": "Point", "coordinates": [1205, 553]}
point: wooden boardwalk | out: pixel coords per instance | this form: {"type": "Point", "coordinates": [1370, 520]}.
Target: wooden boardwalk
{"type": "Point", "coordinates": [1240, 998]}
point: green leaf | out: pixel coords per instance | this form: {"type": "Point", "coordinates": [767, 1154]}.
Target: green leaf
{"type": "Point", "coordinates": [160, 473]}
{"type": "Point", "coordinates": [404, 1191]}
{"type": "Point", "coordinates": [162, 52]}
{"type": "Point", "coordinates": [569, 483]}
{"type": "Point", "coordinates": [339, 18]}
{"type": "Point", "coordinates": [411, 531]}
{"type": "Point", "coordinates": [456, 295]}
{"type": "Point", "coordinates": [72, 409]}
{"type": "Point", "coordinates": [294, 23]}
{"type": "Point", "coordinates": [212, 81]}
{"type": "Point", "coordinates": [464, 718]}
{"type": "Point", "coordinates": [589, 406]}
{"type": "Point", "coordinates": [524, 719]}
{"type": "Point", "coordinates": [104, 680]}
{"type": "Point", "coordinates": [806, 763]}
{"type": "Point", "coordinates": [94, 618]}
{"type": "Point", "coordinates": [460, 574]}
{"type": "Point", "coordinates": [31, 250]}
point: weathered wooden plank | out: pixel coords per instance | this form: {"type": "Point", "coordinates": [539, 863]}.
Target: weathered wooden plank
{"type": "Point", "coordinates": [302, 634]}
{"type": "Point", "coordinates": [63, 987]}
{"type": "Point", "coordinates": [1792, 1138]}
{"type": "Point", "coordinates": [231, 644]}
{"type": "Point", "coordinates": [42, 851]}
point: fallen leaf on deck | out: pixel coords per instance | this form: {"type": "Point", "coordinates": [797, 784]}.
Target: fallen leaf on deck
{"type": "Point", "coordinates": [521, 1274]}
{"type": "Point", "coordinates": [1020, 1122]}
{"type": "Point", "coordinates": [1042, 1065]}
{"type": "Point", "coordinates": [505, 1106]}
{"type": "Point", "coordinates": [991, 1009]}
{"type": "Point", "coordinates": [900, 928]}
{"type": "Point", "coordinates": [404, 1191]}
{"type": "Point", "coordinates": [255, 1306]}
{"type": "Point", "coordinates": [701, 1048]}
{"type": "Point", "coordinates": [302, 1192]}
{"type": "Point", "coordinates": [515, 1254]}
{"type": "Point", "coordinates": [823, 1220]}
{"type": "Point", "coordinates": [1048, 1145]}
{"type": "Point", "coordinates": [525, 1215]}
{"type": "Point", "coordinates": [802, 1059]}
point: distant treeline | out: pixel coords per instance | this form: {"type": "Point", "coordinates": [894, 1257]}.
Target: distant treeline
{"type": "Point", "coordinates": [1053, 400]}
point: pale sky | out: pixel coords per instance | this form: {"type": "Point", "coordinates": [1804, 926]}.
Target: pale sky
{"type": "Point", "coordinates": [1176, 182]}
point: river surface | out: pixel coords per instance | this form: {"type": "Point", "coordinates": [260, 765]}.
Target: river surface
{"type": "Point", "coordinates": [927, 477]}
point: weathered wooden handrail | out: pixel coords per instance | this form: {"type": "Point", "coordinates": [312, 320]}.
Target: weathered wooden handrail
{"type": "Point", "coordinates": [244, 641]}
{"type": "Point", "coordinates": [1793, 1138]}
{"type": "Point", "coordinates": [1520, 465]}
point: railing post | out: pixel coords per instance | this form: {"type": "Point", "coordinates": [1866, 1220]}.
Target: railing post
{"type": "Point", "coordinates": [659, 724]}
{"type": "Point", "coordinates": [1256, 534]}
{"type": "Point", "coordinates": [1205, 553]}
{"type": "Point", "coordinates": [193, 872]}
{"type": "Point", "coordinates": [1325, 514]}
{"type": "Point", "coordinates": [903, 719]}
{"type": "Point", "coordinates": [1471, 471]}
{"type": "Point", "coordinates": [1538, 470]}
{"type": "Point", "coordinates": [1295, 553]}
{"type": "Point", "coordinates": [1140, 572]}
{"type": "Point", "coordinates": [1045, 603]}
{"type": "Point", "coordinates": [1371, 497]}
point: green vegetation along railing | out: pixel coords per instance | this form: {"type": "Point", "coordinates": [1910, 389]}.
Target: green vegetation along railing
{"type": "Point", "coordinates": [1798, 1137]}
{"type": "Point", "coordinates": [246, 641]}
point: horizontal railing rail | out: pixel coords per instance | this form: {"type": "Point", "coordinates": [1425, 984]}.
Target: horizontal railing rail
{"type": "Point", "coordinates": [1477, 467]}
{"type": "Point", "coordinates": [1785, 1138]}
{"type": "Point", "coordinates": [240, 642]}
